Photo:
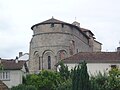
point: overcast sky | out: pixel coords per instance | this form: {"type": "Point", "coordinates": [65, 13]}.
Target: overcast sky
{"type": "Point", "coordinates": [102, 17]}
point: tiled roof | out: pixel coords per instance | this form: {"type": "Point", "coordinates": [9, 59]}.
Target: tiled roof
{"type": "Point", "coordinates": [52, 20]}
{"type": "Point", "coordinates": [98, 42]}
{"type": "Point", "coordinates": [3, 86]}
{"type": "Point", "coordinates": [83, 29]}
{"type": "Point", "coordinates": [94, 57]}
{"type": "Point", "coordinates": [86, 30]}
{"type": "Point", "coordinates": [12, 65]}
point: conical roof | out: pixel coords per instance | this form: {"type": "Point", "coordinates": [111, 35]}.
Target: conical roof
{"type": "Point", "coordinates": [52, 20]}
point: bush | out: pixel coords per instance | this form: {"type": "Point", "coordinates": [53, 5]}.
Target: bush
{"type": "Point", "coordinates": [23, 87]}
{"type": "Point", "coordinates": [45, 80]}
{"type": "Point", "coordinates": [110, 81]}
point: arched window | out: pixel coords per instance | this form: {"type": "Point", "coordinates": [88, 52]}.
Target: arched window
{"type": "Point", "coordinates": [37, 60]}
{"type": "Point", "coordinates": [49, 62]}
{"type": "Point", "coordinates": [72, 47]}
{"type": "Point", "coordinates": [61, 54]}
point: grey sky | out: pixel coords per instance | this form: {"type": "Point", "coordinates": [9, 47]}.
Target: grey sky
{"type": "Point", "coordinates": [102, 17]}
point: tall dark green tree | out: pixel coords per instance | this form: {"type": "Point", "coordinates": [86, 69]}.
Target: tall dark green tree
{"type": "Point", "coordinates": [63, 70]}
{"type": "Point", "coordinates": [80, 77]}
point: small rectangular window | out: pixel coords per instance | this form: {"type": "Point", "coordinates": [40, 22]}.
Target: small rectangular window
{"type": "Point", "coordinates": [52, 25]}
{"type": "Point", "coordinates": [77, 50]}
{"type": "Point", "coordinates": [62, 25]}
{"type": "Point", "coordinates": [113, 66]}
{"type": "Point", "coordinates": [4, 75]}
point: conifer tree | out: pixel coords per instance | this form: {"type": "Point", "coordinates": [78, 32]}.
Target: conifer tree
{"type": "Point", "coordinates": [80, 77]}
{"type": "Point", "coordinates": [63, 70]}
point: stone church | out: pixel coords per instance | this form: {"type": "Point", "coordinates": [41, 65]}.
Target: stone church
{"type": "Point", "coordinates": [54, 40]}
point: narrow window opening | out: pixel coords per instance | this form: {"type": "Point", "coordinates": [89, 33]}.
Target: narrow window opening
{"type": "Point", "coordinates": [49, 62]}
{"type": "Point", "coordinates": [72, 47]}
{"type": "Point", "coordinates": [62, 25]}
{"type": "Point", "coordinates": [3, 75]}
{"type": "Point", "coordinates": [77, 50]}
{"type": "Point", "coordinates": [52, 25]}
{"type": "Point", "coordinates": [39, 64]}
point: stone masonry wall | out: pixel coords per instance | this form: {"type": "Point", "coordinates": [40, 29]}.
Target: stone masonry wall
{"type": "Point", "coordinates": [54, 39]}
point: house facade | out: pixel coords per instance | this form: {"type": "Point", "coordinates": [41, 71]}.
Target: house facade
{"type": "Point", "coordinates": [54, 40]}
{"type": "Point", "coordinates": [12, 72]}
{"type": "Point", "coordinates": [96, 61]}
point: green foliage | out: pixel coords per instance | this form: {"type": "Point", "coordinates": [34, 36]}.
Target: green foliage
{"type": "Point", "coordinates": [45, 80]}
{"type": "Point", "coordinates": [1, 67]}
{"type": "Point", "coordinates": [23, 87]}
{"type": "Point", "coordinates": [76, 79]}
{"type": "Point", "coordinates": [66, 85]}
{"type": "Point", "coordinates": [64, 72]}
{"type": "Point", "coordinates": [110, 81]}
{"type": "Point", "coordinates": [114, 79]}
{"type": "Point", "coordinates": [48, 80]}
{"type": "Point", "coordinates": [99, 82]}
{"type": "Point", "coordinates": [80, 77]}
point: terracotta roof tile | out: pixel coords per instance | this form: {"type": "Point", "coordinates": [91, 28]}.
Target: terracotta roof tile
{"type": "Point", "coordinates": [52, 20]}
{"type": "Point", "coordinates": [94, 57]}
{"type": "Point", "coordinates": [3, 86]}
{"type": "Point", "coordinates": [86, 30]}
{"type": "Point", "coordinates": [12, 65]}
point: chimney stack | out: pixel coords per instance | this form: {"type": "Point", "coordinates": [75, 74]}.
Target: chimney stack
{"type": "Point", "coordinates": [118, 49]}
{"type": "Point", "coordinates": [20, 54]}
{"type": "Point", "coordinates": [76, 23]}
{"type": "Point", "coordinates": [0, 60]}
{"type": "Point", "coordinates": [16, 60]}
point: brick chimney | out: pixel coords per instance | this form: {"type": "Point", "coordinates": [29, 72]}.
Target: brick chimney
{"type": "Point", "coordinates": [20, 54]}
{"type": "Point", "coordinates": [118, 49]}
{"type": "Point", "coordinates": [16, 60]}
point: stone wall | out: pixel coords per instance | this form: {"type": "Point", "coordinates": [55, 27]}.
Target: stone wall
{"type": "Point", "coordinates": [55, 38]}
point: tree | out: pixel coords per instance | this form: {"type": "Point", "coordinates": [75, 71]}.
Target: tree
{"type": "Point", "coordinates": [65, 85]}
{"type": "Point", "coordinates": [1, 67]}
{"type": "Point", "coordinates": [110, 81]}
{"type": "Point", "coordinates": [99, 82]}
{"type": "Point", "coordinates": [114, 79]}
{"type": "Point", "coordinates": [23, 87]}
{"type": "Point", "coordinates": [63, 70]}
{"type": "Point", "coordinates": [84, 77]}
{"type": "Point", "coordinates": [80, 77]}
{"type": "Point", "coordinates": [45, 80]}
